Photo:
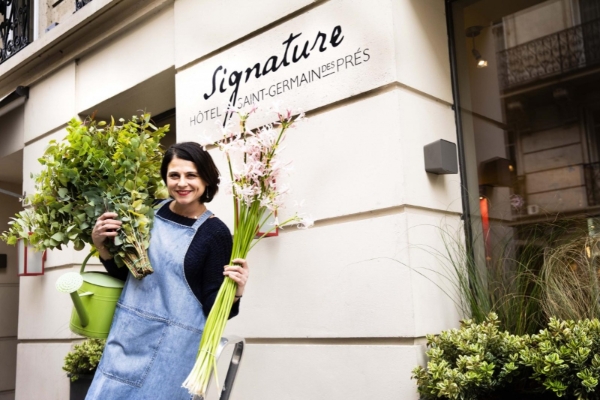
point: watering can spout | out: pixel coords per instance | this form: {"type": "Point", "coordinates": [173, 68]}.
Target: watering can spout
{"type": "Point", "coordinates": [81, 311]}
{"type": "Point", "coordinates": [70, 283]}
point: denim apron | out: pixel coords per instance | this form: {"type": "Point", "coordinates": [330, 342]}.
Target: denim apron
{"type": "Point", "coordinates": [156, 330]}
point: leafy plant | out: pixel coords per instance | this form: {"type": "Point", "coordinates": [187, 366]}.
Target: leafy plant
{"type": "Point", "coordinates": [84, 358]}
{"type": "Point", "coordinates": [98, 167]}
{"type": "Point", "coordinates": [565, 358]}
{"type": "Point", "coordinates": [471, 362]}
{"type": "Point", "coordinates": [480, 361]}
{"type": "Point", "coordinates": [22, 225]}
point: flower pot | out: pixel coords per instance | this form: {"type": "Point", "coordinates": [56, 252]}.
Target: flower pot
{"type": "Point", "coordinates": [80, 387]}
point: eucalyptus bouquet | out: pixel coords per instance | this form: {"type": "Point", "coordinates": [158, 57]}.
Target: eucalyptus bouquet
{"type": "Point", "coordinates": [255, 170]}
{"type": "Point", "coordinates": [98, 167]}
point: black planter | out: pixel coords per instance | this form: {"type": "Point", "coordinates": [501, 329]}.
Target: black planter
{"type": "Point", "coordinates": [511, 394]}
{"type": "Point", "coordinates": [80, 387]}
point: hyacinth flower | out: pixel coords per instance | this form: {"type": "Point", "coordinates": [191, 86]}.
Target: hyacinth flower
{"type": "Point", "coordinates": [255, 170]}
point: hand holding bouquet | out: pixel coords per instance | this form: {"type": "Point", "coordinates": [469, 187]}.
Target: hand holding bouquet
{"type": "Point", "coordinates": [255, 170]}
{"type": "Point", "coordinates": [98, 167]}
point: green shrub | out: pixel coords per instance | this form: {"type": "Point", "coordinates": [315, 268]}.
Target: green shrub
{"type": "Point", "coordinates": [470, 362]}
{"type": "Point", "coordinates": [565, 358]}
{"type": "Point", "coordinates": [84, 358]}
{"type": "Point", "coordinates": [478, 361]}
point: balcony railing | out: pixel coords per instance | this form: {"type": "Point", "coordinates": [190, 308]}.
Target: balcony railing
{"type": "Point", "coordinates": [565, 51]}
{"type": "Point", "coordinates": [15, 26]}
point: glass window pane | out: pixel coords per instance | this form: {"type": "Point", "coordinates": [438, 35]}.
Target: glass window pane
{"type": "Point", "coordinates": [529, 95]}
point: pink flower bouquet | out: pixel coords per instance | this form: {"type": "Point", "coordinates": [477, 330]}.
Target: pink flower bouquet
{"type": "Point", "coordinates": [255, 169]}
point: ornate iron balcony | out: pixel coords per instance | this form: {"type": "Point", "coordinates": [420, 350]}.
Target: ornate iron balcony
{"type": "Point", "coordinates": [15, 26]}
{"type": "Point", "coordinates": [565, 51]}
{"type": "Point", "coordinates": [80, 3]}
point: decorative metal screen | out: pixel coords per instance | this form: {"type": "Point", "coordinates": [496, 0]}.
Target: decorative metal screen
{"type": "Point", "coordinates": [555, 54]}
{"type": "Point", "coordinates": [15, 26]}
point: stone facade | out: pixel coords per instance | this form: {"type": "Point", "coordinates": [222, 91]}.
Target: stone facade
{"type": "Point", "coordinates": [338, 311]}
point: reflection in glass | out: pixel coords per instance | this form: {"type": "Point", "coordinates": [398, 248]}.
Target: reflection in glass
{"type": "Point", "coordinates": [530, 129]}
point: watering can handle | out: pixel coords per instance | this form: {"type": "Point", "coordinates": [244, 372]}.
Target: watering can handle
{"type": "Point", "coordinates": [85, 262]}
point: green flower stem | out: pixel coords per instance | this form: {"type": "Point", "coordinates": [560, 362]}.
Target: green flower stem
{"type": "Point", "coordinates": [248, 220]}
{"type": "Point", "coordinates": [197, 381]}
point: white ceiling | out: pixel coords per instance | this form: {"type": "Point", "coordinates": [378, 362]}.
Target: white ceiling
{"type": "Point", "coordinates": [155, 95]}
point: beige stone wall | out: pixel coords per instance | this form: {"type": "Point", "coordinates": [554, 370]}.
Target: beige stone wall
{"type": "Point", "coordinates": [540, 20]}
{"type": "Point", "coordinates": [335, 312]}
{"type": "Point", "coordinates": [53, 12]}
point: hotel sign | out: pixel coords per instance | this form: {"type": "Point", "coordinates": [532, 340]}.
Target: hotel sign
{"type": "Point", "coordinates": [317, 58]}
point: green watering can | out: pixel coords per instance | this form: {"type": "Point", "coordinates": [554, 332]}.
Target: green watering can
{"type": "Point", "coordinates": [94, 296]}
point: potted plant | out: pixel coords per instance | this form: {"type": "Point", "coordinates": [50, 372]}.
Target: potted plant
{"type": "Point", "coordinates": [81, 364]}
{"type": "Point", "coordinates": [480, 361]}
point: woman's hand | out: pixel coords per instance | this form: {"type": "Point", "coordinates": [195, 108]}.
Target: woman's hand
{"type": "Point", "coordinates": [106, 226]}
{"type": "Point", "coordinates": [238, 272]}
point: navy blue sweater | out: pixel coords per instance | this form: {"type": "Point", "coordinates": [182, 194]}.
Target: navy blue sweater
{"type": "Point", "coordinates": [203, 264]}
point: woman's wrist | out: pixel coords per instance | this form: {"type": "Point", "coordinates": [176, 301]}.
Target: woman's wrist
{"type": "Point", "coordinates": [103, 252]}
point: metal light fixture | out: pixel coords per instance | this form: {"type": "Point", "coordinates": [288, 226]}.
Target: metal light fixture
{"type": "Point", "coordinates": [471, 32]}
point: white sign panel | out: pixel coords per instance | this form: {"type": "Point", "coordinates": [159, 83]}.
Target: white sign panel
{"type": "Point", "coordinates": [337, 50]}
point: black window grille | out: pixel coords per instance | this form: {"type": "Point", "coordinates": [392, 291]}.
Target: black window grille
{"type": "Point", "coordinates": [561, 52]}
{"type": "Point", "coordinates": [15, 27]}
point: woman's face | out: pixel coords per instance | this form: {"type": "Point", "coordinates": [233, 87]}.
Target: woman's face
{"type": "Point", "coordinates": [184, 182]}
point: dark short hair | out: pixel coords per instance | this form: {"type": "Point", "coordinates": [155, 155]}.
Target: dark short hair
{"type": "Point", "coordinates": [208, 171]}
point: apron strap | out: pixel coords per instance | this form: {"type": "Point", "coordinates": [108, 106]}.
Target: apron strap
{"type": "Point", "coordinates": [161, 204]}
{"type": "Point", "coordinates": [201, 219]}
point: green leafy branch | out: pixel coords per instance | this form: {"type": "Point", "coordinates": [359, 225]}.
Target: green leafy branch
{"type": "Point", "coordinates": [98, 167]}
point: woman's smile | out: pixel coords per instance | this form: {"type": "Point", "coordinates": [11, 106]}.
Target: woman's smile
{"type": "Point", "coordinates": [185, 186]}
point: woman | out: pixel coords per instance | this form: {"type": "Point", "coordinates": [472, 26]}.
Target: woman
{"type": "Point", "coordinates": [157, 326]}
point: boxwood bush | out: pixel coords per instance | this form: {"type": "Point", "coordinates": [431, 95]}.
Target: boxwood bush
{"type": "Point", "coordinates": [479, 361]}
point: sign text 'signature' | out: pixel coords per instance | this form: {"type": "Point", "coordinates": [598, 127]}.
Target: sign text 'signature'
{"type": "Point", "coordinates": [273, 63]}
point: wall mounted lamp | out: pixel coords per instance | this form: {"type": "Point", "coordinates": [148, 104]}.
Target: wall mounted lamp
{"type": "Point", "coordinates": [440, 157]}
{"type": "Point", "coordinates": [471, 32]}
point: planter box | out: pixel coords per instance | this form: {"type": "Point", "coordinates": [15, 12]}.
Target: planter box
{"type": "Point", "coordinates": [80, 387]}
